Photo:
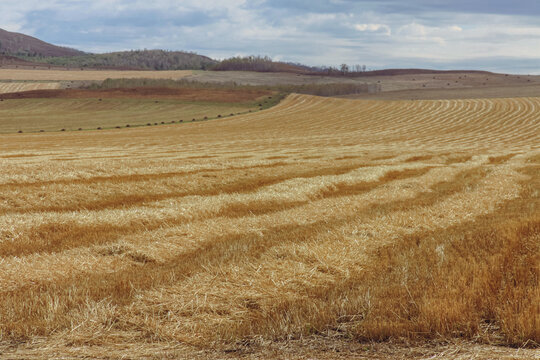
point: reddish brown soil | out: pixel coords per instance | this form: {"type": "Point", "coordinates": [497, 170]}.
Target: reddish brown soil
{"type": "Point", "coordinates": [217, 95]}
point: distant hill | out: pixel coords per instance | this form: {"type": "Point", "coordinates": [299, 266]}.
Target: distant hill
{"type": "Point", "coordinates": [136, 59]}
{"type": "Point", "coordinates": [24, 50]}
{"type": "Point", "coordinates": [19, 44]}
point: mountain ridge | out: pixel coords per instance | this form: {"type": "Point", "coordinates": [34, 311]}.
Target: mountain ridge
{"type": "Point", "coordinates": [13, 43]}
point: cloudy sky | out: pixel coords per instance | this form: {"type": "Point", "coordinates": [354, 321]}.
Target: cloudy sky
{"type": "Point", "coordinates": [497, 35]}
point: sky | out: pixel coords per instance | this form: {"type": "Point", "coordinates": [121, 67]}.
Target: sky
{"type": "Point", "coordinates": [493, 35]}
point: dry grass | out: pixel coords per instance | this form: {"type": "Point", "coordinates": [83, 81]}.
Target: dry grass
{"type": "Point", "coordinates": [319, 225]}
{"type": "Point", "coordinates": [11, 87]}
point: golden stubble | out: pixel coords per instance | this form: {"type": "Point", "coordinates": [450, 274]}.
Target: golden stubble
{"type": "Point", "coordinates": [372, 220]}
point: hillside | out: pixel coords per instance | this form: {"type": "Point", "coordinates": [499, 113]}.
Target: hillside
{"type": "Point", "coordinates": [20, 44]}
{"type": "Point", "coordinates": [135, 59]}
{"type": "Point", "coordinates": [20, 49]}
{"type": "Point", "coordinates": [7, 60]}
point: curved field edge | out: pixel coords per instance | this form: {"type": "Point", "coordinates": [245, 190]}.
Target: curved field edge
{"type": "Point", "coordinates": [43, 111]}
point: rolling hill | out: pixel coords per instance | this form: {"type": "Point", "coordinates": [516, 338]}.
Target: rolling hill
{"type": "Point", "coordinates": [134, 60]}
{"type": "Point", "coordinates": [12, 43]}
{"type": "Point", "coordinates": [20, 49]}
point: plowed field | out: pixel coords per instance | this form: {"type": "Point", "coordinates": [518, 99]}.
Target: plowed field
{"type": "Point", "coordinates": [336, 220]}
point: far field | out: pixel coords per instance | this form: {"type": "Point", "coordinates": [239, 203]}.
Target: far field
{"type": "Point", "coordinates": [454, 85]}
{"type": "Point", "coordinates": [36, 111]}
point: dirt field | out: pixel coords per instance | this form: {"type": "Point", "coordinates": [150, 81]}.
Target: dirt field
{"type": "Point", "coordinates": [314, 229]}
{"type": "Point", "coordinates": [455, 85]}
{"type": "Point", "coordinates": [468, 86]}
{"type": "Point", "coordinates": [90, 75]}
{"type": "Point", "coordinates": [532, 90]}
{"type": "Point", "coordinates": [261, 78]}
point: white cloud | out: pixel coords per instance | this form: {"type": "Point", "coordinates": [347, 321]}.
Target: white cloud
{"type": "Point", "coordinates": [376, 28]}
{"type": "Point", "coordinates": [352, 32]}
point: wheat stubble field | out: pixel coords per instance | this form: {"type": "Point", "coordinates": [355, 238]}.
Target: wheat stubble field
{"type": "Point", "coordinates": [325, 223]}
{"type": "Point", "coordinates": [12, 87]}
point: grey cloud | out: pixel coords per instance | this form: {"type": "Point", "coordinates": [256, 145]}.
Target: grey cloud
{"type": "Point", "coordinates": [314, 32]}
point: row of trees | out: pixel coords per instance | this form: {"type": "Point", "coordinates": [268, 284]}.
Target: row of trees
{"type": "Point", "coordinates": [176, 60]}
{"type": "Point", "coordinates": [255, 63]}
{"type": "Point", "coordinates": [137, 59]}
{"type": "Point", "coordinates": [266, 64]}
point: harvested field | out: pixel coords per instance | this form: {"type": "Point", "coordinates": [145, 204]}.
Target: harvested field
{"type": "Point", "coordinates": [91, 75]}
{"type": "Point", "coordinates": [53, 110]}
{"type": "Point", "coordinates": [193, 94]}
{"type": "Point", "coordinates": [15, 87]}
{"type": "Point", "coordinates": [500, 91]}
{"type": "Point", "coordinates": [310, 229]}
{"type": "Point", "coordinates": [437, 86]}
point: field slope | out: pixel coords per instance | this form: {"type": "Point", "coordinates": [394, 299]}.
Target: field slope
{"type": "Point", "coordinates": [328, 222]}
{"type": "Point", "coordinates": [64, 110]}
